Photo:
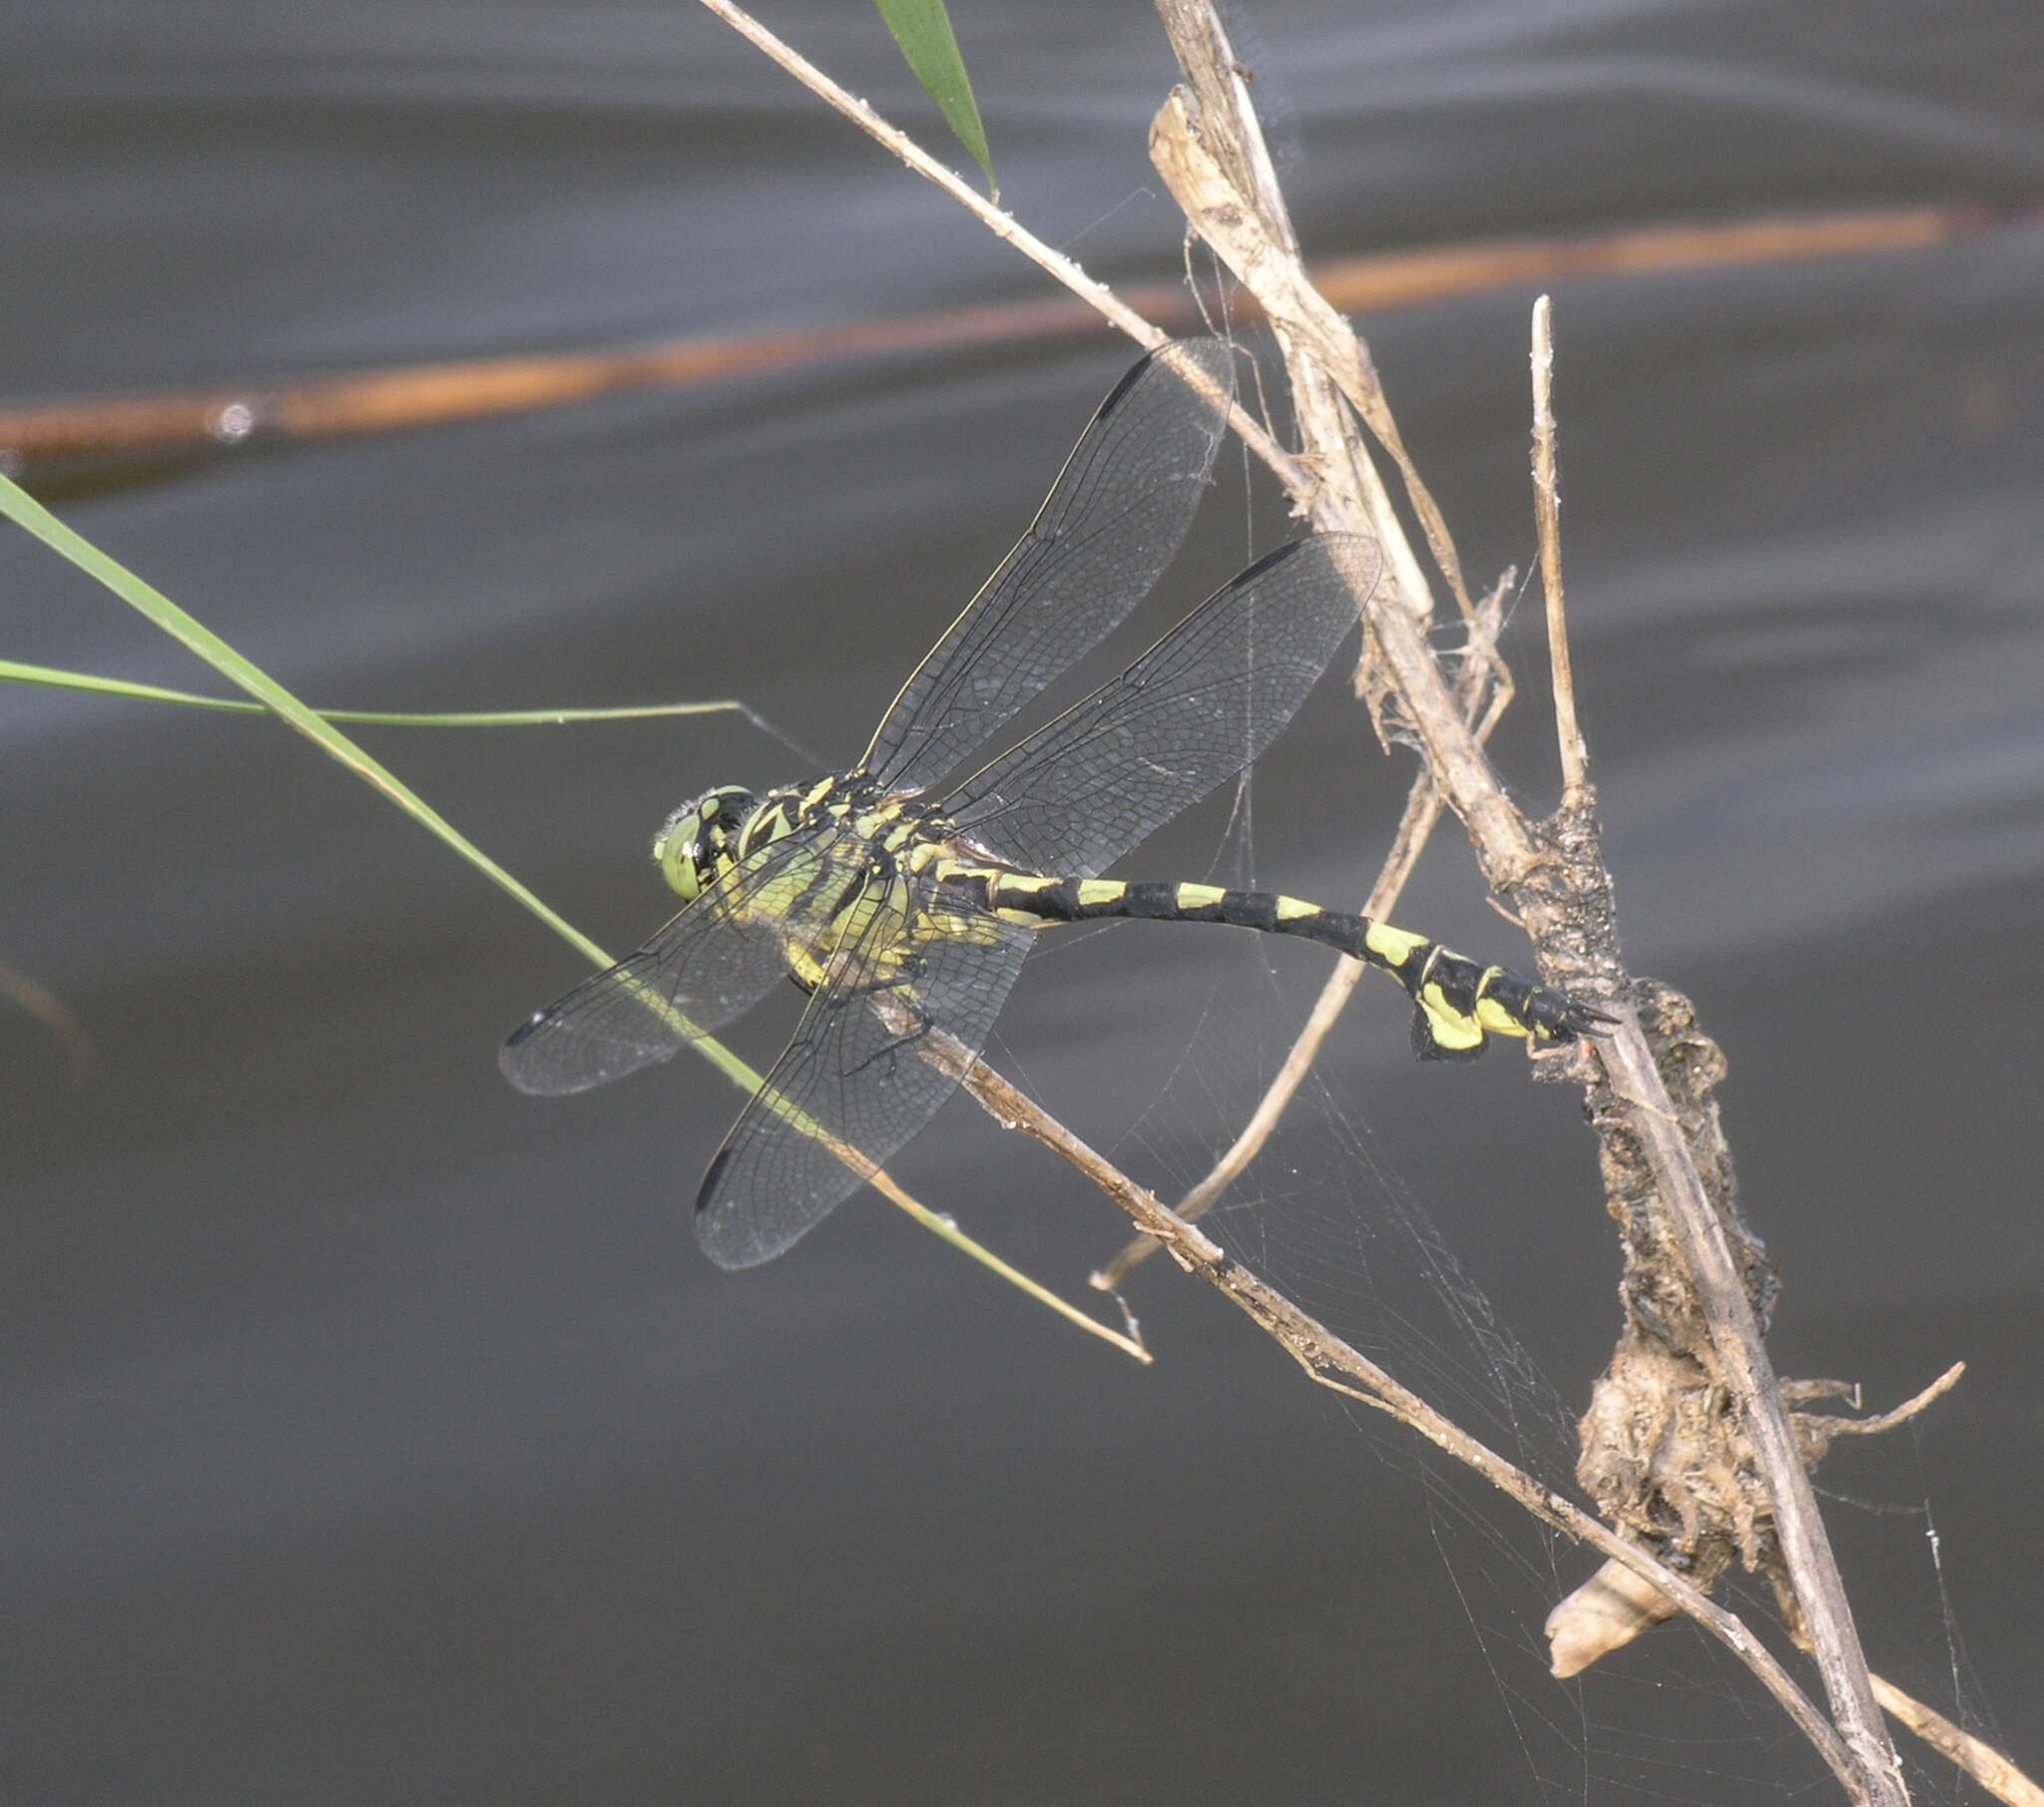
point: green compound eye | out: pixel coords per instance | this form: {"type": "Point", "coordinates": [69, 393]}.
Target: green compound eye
{"type": "Point", "coordinates": [694, 844]}
{"type": "Point", "coordinates": [677, 851]}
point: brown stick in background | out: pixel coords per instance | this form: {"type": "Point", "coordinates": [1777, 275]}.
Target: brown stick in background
{"type": "Point", "coordinates": [395, 400]}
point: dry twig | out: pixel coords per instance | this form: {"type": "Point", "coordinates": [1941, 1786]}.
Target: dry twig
{"type": "Point", "coordinates": [1561, 891]}
{"type": "Point", "coordinates": [1575, 757]}
{"type": "Point", "coordinates": [1210, 150]}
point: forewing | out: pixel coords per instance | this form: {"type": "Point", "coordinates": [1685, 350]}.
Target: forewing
{"type": "Point", "coordinates": [883, 1043]}
{"type": "Point", "coordinates": [1191, 714]}
{"type": "Point", "coordinates": [1118, 514]}
{"type": "Point", "coordinates": [707, 965]}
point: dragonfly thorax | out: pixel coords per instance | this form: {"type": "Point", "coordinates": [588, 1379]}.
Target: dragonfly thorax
{"type": "Point", "coordinates": [700, 840]}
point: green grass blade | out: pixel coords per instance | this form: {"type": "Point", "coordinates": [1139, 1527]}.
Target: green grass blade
{"type": "Point", "coordinates": [51, 677]}
{"type": "Point", "coordinates": [30, 515]}
{"type": "Point", "coordinates": [923, 28]}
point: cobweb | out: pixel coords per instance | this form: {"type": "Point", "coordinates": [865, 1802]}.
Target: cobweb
{"type": "Point", "coordinates": [1324, 1215]}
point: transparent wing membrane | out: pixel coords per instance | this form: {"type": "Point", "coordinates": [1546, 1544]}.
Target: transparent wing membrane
{"type": "Point", "coordinates": [864, 1074]}
{"type": "Point", "coordinates": [706, 967]}
{"type": "Point", "coordinates": [1116, 517]}
{"type": "Point", "coordinates": [1191, 714]}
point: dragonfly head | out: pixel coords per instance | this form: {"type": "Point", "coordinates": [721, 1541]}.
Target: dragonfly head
{"type": "Point", "coordinates": [699, 840]}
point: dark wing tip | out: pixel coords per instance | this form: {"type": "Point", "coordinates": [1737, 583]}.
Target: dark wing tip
{"type": "Point", "coordinates": [729, 1235]}
{"type": "Point", "coordinates": [523, 1030]}
{"type": "Point", "coordinates": [1214, 356]}
{"type": "Point", "coordinates": [711, 1176]}
{"type": "Point", "coordinates": [509, 1060]}
{"type": "Point", "coordinates": [1354, 558]}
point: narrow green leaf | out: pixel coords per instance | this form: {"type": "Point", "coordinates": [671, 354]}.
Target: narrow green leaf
{"type": "Point", "coordinates": [51, 677]}
{"type": "Point", "coordinates": [923, 30]}
{"type": "Point", "coordinates": [26, 512]}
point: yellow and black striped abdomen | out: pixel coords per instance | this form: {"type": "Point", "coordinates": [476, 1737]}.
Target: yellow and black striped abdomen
{"type": "Point", "coordinates": [1461, 1004]}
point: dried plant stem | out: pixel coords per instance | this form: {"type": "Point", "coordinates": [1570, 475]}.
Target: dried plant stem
{"type": "Point", "coordinates": [1218, 168]}
{"type": "Point", "coordinates": [1226, 135]}
{"type": "Point", "coordinates": [1575, 757]}
{"type": "Point", "coordinates": [1747, 1368]}
{"type": "Point", "coordinates": [1980, 1760]}
{"type": "Point", "coordinates": [1811, 1426]}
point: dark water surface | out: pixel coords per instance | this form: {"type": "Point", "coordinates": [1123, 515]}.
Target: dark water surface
{"type": "Point", "coordinates": [369, 1432]}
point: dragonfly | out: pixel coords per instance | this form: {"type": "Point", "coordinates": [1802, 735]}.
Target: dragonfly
{"type": "Point", "coordinates": [903, 900]}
